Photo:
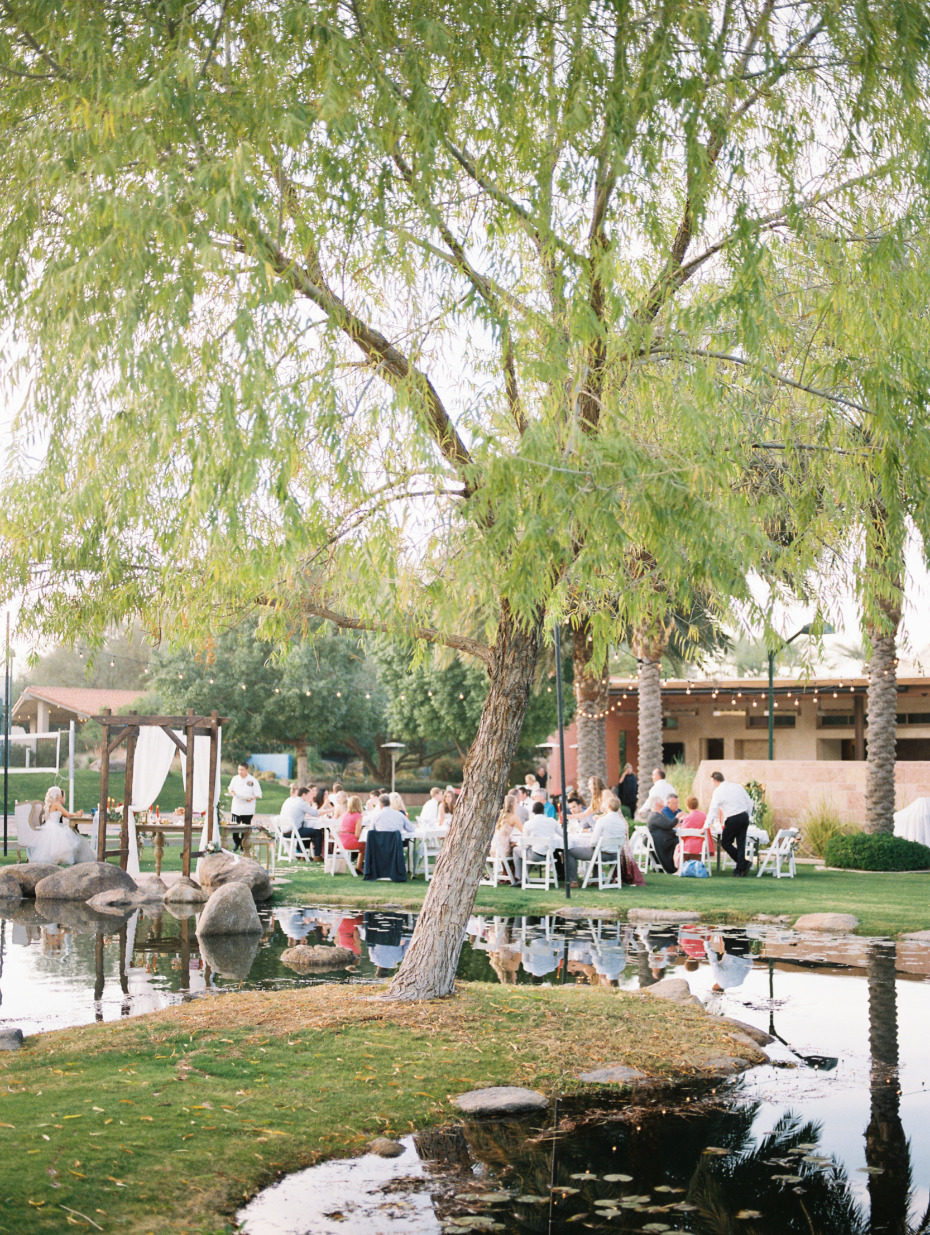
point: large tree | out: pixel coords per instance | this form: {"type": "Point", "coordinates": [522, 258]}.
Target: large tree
{"type": "Point", "coordinates": [376, 313]}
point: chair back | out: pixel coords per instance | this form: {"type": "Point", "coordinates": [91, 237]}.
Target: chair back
{"type": "Point", "coordinates": [27, 817]}
{"type": "Point", "coordinates": [384, 856]}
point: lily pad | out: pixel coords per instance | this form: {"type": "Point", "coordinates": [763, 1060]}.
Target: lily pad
{"type": "Point", "coordinates": [565, 1190]}
{"type": "Point", "coordinates": [492, 1198]}
{"type": "Point", "coordinates": [618, 1179]}
{"type": "Point", "coordinates": [583, 1175]}
{"type": "Point", "coordinates": [528, 1199]}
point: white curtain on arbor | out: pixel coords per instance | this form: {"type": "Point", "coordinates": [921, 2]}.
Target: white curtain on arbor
{"type": "Point", "coordinates": [151, 764]}
{"type": "Point", "coordinates": [202, 780]}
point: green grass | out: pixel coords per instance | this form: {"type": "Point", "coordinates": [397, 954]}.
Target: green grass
{"type": "Point", "coordinates": [167, 1123]}
{"type": "Point", "coordinates": [885, 904]}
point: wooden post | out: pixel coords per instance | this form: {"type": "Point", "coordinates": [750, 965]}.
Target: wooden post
{"type": "Point", "coordinates": [104, 791]}
{"type": "Point", "coordinates": [132, 735]}
{"type": "Point", "coordinates": [211, 781]}
{"type": "Point", "coordinates": [859, 719]}
{"type": "Point", "coordinates": [188, 795]}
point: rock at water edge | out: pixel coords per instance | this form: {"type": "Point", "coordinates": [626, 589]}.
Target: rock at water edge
{"type": "Point", "coordinates": [385, 1148]}
{"type": "Point", "coordinates": [216, 870]}
{"type": "Point", "coordinates": [303, 956]}
{"type": "Point", "coordinates": [230, 911]}
{"type": "Point", "coordinates": [28, 874]}
{"type": "Point", "coordinates": [11, 1039]}
{"type": "Point", "coordinates": [81, 882]}
{"type": "Point", "coordinates": [186, 892]}
{"type": "Point", "coordinates": [837, 923]}
{"type": "Point", "coordinates": [500, 1100]}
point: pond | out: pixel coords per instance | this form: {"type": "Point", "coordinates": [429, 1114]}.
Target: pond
{"type": "Point", "coordinates": [833, 1135]}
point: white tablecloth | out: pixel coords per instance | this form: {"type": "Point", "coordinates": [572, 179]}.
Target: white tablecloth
{"type": "Point", "coordinates": [913, 823]}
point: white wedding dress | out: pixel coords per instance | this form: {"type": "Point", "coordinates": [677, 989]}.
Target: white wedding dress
{"type": "Point", "coordinates": [60, 844]}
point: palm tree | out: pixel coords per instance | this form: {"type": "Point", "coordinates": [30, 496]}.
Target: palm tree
{"type": "Point", "coordinates": [883, 563]}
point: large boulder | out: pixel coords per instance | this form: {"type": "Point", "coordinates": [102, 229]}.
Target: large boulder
{"type": "Point", "coordinates": [150, 891]}
{"type": "Point", "coordinates": [9, 888]}
{"type": "Point", "coordinates": [834, 923]}
{"type": "Point", "coordinates": [81, 882]}
{"type": "Point", "coordinates": [216, 870]}
{"type": "Point", "coordinates": [675, 989]}
{"type": "Point", "coordinates": [185, 892]}
{"type": "Point", "coordinates": [28, 874]}
{"type": "Point", "coordinates": [304, 957]}
{"type": "Point", "coordinates": [230, 911]}
{"type": "Point", "coordinates": [500, 1100]}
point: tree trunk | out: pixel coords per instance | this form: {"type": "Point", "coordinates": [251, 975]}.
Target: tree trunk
{"type": "Point", "coordinates": [300, 746]}
{"type": "Point", "coordinates": [886, 1148]}
{"type": "Point", "coordinates": [882, 730]}
{"type": "Point", "coordinates": [428, 969]}
{"type": "Point", "coordinates": [592, 695]}
{"type": "Point", "coordinates": [648, 646]}
{"type": "Point", "coordinates": [371, 768]}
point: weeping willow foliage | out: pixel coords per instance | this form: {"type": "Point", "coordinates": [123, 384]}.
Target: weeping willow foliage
{"type": "Point", "coordinates": [404, 311]}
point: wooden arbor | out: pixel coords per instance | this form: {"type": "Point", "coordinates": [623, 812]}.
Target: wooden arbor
{"type": "Point", "coordinates": [117, 729]}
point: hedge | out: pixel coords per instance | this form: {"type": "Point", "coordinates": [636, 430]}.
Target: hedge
{"type": "Point", "coordinates": [876, 852]}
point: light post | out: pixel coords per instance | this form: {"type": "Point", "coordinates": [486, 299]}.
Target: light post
{"type": "Point", "coordinates": [393, 747]}
{"type": "Point", "coordinates": [558, 703]}
{"type": "Point", "coordinates": [805, 630]}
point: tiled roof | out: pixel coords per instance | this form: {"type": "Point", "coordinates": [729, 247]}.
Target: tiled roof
{"type": "Point", "coordinates": [82, 700]}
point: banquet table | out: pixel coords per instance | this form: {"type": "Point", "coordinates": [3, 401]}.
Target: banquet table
{"type": "Point", "coordinates": [158, 832]}
{"type": "Point", "coordinates": [913, 822]}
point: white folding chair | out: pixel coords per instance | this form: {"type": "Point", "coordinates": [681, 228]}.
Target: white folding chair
{"type": "Point", "coordinates": [692, 834]}
{"type": "Point", "coordinates": [497, 868]}
{"type": "Point", "coordinates": [429, 844]}
{"type": "Point", "coordinates": [781, 851]}
{"type": "Point", "coordinates": [334, 849]}
{"type": "Point", "coordinates": [644, 853]}
{"type": "Point", "coordinates": [539, 853]}
{"type": "Point", "coordinates": [289, 841]}
{"type": "Point", "coordinates": [605, 865]}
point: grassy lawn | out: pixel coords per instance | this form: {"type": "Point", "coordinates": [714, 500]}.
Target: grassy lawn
{"type": "Point", "coordinates": [166, 1123]}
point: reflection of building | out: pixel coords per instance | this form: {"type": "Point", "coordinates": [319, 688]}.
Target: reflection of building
{"type": "Point", "coordinates": [822, 721]}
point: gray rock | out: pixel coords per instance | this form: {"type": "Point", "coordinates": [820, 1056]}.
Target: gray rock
{"type": "Point", "coordinates": [385, 1148]}
{"type": "Point", "coordinates": [9, 887]}
{"type": "Point", "coordinates": [614, 1074]}
{"type": "Point", "coordinates": [28, 874]}
{"type": "Point", "coordinates": [11, 1039]}
{"type": "Point", "coordinates": [662, 915]}
{"type": "Point", "coordinates": [230, 911]}
{"type": "Point", "coordinates": [231, 956]}
{"type": "Point", "coordinates": [675, 989]}
{"type": "Point", "coordinates": [758, 1036]}
{"type": "Point", "coordinates": [500, 1100]}
{"type": "Point", "coordinates": [186, 892]}
{"type": "Point", "coordinates": [217, 870]}
{"type": "Point", "coordinates": [81, 882]}
{"type": "Point", "coordinates": [918, 936]}
{"type": "Point", "coordinates": [303, 956]}
{"type": "Point", "coordinates": [152, 887]}
{"type": "Point", "coordinates": [149, 891]}
{"type": "Point", "coordinates": [721, 1065]}
{"type": "Point", "coordinates": [835, 923]}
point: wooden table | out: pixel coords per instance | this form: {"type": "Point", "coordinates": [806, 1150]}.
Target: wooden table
{"type": "Point", "coordinates": [160, 830]}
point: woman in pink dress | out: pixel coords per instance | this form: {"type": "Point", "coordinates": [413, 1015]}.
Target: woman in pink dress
{"type": "Point", "coordinates": [350, 828]}
{"type": "Point", "coordinates": [691, 845]}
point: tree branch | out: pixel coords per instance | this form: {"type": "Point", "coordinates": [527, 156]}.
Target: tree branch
{"type": "Point", "coordinates": [459, 643]}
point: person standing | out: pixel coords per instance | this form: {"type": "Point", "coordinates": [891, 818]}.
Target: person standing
{"type": "Point", "coordinates": [245, 791]}
{"type": "Point", "coordinates": [628, 789]}
{"type": "Point", "coordinates": [732, 805]}
{"type": "Point", "coordinates": [658, 795]}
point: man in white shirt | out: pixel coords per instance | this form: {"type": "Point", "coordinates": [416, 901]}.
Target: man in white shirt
{"type": "Point", "coordinates": [245, 789]}
{"type": "Point", "coordinates": [658, 795]}
{"type": "Point", "coordinates": [390, 820]}
{"type": "Point", "coordinates": [521, 808]}
{"type": "Point", "coordinates": [430, 812]}
{"type": "Point", "coordinates": [611, 829]}
{"type": "Point", "coordinates": [732, 806]}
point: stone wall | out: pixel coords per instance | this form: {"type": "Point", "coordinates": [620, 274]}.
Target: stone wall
{"type": "Point", "coordinates": [794, 786]}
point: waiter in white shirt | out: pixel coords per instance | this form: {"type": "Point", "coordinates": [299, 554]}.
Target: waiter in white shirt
{"type": "Point", "coordinates": [732, 805]}
{"type": "Point", "coordinates": [245, 789]}
{"type": "Point", "coordinates": [658, 795]}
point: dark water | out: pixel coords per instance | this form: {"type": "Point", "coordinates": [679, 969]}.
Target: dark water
{"type": "Point", "coordinates": [832, 1136]}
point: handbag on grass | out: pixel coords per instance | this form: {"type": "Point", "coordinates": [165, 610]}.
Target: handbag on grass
{"type": "Point", "coordinates": [695, 869]}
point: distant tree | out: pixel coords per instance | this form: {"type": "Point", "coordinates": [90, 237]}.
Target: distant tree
{"type": "Point", "coordinates": [322, 693]}
{"type": "Point", "coordinates": [118, 662]}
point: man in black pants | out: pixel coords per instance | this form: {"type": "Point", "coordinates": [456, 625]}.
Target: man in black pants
{"type": "Point", "coordinates": [732, 805]}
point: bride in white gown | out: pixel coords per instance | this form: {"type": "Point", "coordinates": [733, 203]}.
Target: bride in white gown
{"type": "Point", "coordinates": [58, 842]}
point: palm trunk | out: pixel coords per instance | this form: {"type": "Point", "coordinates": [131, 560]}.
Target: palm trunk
{"type": "Point", "coordinates": [882, 732]}
{"type": "Point", "coordinates": [648, 646]}
{"type": "Point", "coordinates": [428, 969]}
{"type": "Point", "coordinates": [592, 694]}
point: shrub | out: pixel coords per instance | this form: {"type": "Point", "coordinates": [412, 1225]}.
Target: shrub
{"type": "Point", "coordinates": [819, 825]}
{"type": "Point", "coordinates": [880, 852]}
{"type": "Point", "coordinates": [681, 775]}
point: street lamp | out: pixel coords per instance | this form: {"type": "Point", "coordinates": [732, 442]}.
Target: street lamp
{"type": "Point", "coordinates": [805, 630]}
{"type": "Point", "coordinates": [393, 747]}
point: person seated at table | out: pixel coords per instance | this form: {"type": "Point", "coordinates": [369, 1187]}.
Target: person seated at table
{"type": "Point", "coordinates": [446, 807]}
{"type": "Point", "coordinates": [374, 802]}
{"type": "Point", "coordinates": [691, 846]}
{"type": "Point", "coordinates": [430, 812]}
{"type": "Point", "coordinates": [350, 828]}
{"type": "Point", "coordinates": [610, 829]}
{"type": "Point", "coordinates": [540, 795]}
{"type": "Point", "coordinates": [597, 792]}
{"type": "Point", "coordinates": [508, 826]}
{"type": "Point", "coordinates": [398, 803]}
{"type": "Point", "coordinates": [578, 818]}
{"type": "Point", "coordinates": [340, 801]}
{"type": "Point", "coordinates": [540, 827]}
{"type": "Point", "coordinates": [661, 824]}
{"type": "Point", "coordinates": [307, 831]}
{"type": "Point", "coordinates": [297, 810]}
{"type": "Point", "coordinates": [389, 819]}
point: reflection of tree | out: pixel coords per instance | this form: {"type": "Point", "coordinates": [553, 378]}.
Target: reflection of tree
{"type": "Point", "coordinates": [886, 1149]}
{"type": "Point", "coordinates": [818, 1204]}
